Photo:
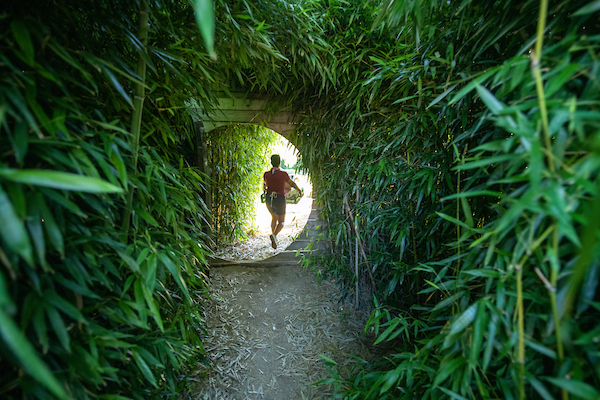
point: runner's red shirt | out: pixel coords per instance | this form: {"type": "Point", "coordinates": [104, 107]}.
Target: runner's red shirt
{"type": "Point", "coordinates": [276, 179]}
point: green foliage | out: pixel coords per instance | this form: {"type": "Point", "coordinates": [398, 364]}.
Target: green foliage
{"type": "Point", "coordinates": [476, 168]}
{"type": "Point", "coordinates": [83, 313]}
{"type": "Point", "coordinates": [465, 149]}
{"type": "Point", "coordinates": [238, 156]}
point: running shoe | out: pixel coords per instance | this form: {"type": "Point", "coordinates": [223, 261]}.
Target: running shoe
{"type": "Point", "coordinates": [273, 241]}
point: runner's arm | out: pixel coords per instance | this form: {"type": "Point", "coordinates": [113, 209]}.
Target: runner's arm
{"type": "Point", "coordinates": [293, 184]}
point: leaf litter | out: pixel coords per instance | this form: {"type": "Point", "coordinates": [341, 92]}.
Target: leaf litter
{"type": "Point", "coordinates": [254, 356]}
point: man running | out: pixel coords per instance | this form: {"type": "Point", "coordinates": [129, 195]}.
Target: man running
{"type": "Point", "coordinates": [274, 184]}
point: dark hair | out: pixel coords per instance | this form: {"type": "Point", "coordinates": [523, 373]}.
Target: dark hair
{"type": "Point", "coordinates": [275, 160]}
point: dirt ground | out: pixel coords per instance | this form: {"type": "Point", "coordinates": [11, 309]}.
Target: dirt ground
{"type": "Point", "coordinates": [270, 324]}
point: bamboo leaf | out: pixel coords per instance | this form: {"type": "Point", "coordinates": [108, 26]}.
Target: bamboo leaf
{"type": "Point", "coordinates": [41, 330]}
{"type": "Point", "coordinates": [76, 287]}
{"type": "Point", "coordinates": [154, 312]}
{"type": "Point", "coordinates": [13, 230]}
{"type": "Point", "coordinates": [541, 349]}
{"type": "Point", "coordinates": [389, 330]}
{"type": "Point", "coordinates": [149, 279]}
{"type": "Point", "coordinates": [133, 265]}
{"type": "Point", "coordinates": [149, 358]}
{"type": "Point", "coordinates": [144, 368]}
{"type": "Point", "coordinates": [36, 234]}
{"type": "Point", "coordinates": [478, 330]}
{"type": "Point", "coordinates": [21, 141]}
{"type": "Point", "coordinates": [110, 126]}
{"type": "Point", "coordinates": [484, 162]}
{"type": "Point", "coordinates": [63, 201]}
{"type": "Point", "coordinates": [27, 356]}
{"type": "Point", "coordinates": [485, 273]}
{"type": "Point", "coordinates": [146, 216]}
{"type": "Point", "coordinates": [205, 19]}
{"type": "Point", "coordinates": [464, 319]}
{"type": "Point", "coordinates": [6, 302]}
{"type": "Point", "coordinates": [448, 300]}
{"type": "Point", "coordinates": [540, 388]}
{"type": "Point", "coordinates": [328, 360]}
{"type": "Point", "coordinates": [59, 327]}
{"type": "Point", "coordinates": [58, 180]}
{"type": "Point", "coordinates": [63, 305]}
{"type": "Point", "coordinates": [52, 230]}
{"type": "Point", "coordinates": [588, 289]}
{"type": "Point", "coordinates": [557, 201]}
{"type": "Point", "coordinates": [19, 102]}
{"type": "Point", "coordinates": [21, 34]}
{"type": "Point", "coordinates": [452, 219]}
{"type": "Point", "coordinates": [432, 284]}
{"type": "Point", "coordinates": [117, 85]}
{"type": "Point", "coordinates": [452, 394]}
{"type": "Point", "coordinates": [490, 100]}
{"type": "Point", "coordinates": [588, 8]}
{"type": "Point", "coordinates": [474, 193]}
{"type": "Point", "coordinates": [447, 368]}
{"type": "Point", "coordinates": [467, 212]}
{"type": "Point", "coordinates": [390, 378]}
{"type": "Point", "coordinates": [565, 74]}
{"type": "Point", "coordinates": [117, 161]}
{"type": "Point", "coordinates": [176, 273]}
{"type": "Point", "coordinates": [140, 302]}
{"type": "Point", "coordinates": [578, 388]}
{"type": "Point", "coordinates": [477, 81]}
{"type": "Point", "coordinates": [441, 96]}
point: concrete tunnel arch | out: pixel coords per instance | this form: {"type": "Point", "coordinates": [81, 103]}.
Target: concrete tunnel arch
{"type": "Point", "coordinates": [246, 108]}
{"type": "Point", "coordinates": [237, 108]}
{"type": "Point", "coordinates": [232, 109]}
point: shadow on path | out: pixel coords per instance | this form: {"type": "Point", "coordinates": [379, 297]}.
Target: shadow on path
{"type": "Point", "coordinates": [292, 255]}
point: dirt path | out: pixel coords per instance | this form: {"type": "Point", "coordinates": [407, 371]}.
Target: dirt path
{"type": "Point", "coordinates": [268, 324]}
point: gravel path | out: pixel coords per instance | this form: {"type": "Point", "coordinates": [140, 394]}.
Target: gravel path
{"type": "Point", "coordinates": [270, 323]}
{"type": "Point", "coordinates": [268, 327]}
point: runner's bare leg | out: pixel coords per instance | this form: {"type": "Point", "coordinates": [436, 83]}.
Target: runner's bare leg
{"type": "Point", "coordinates": [278, 224]}
{"type": "Point", "coordinates": [273, 222]}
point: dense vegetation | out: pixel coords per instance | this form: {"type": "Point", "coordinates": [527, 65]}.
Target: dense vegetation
{"type": "Point", "coordinates": [102, 257]}
{"type": "Point", "coordinates": [458, 140]}
{"type": "Point", "coordinates": [462, 140]}
{"type": "Point", "coordinates": [237, 155]}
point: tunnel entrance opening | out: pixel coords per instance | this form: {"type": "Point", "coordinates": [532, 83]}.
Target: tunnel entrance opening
{"type": "Point", "coordinates": [247, 108]}
{"type": "Point", "coordinates": [258, 246]}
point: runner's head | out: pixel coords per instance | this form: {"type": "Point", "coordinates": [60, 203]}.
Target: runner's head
{"type": "Point", "coordinates": [275, 160]}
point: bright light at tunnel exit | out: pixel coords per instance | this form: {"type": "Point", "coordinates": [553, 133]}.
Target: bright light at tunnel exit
{"type": "Point", "coordinates": [287, 151]}
{"type": "Point", "coordinates": [296, 214]}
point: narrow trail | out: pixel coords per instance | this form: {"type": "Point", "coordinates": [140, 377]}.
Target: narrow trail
{"type": "Point", "coordinates": [268, 324]}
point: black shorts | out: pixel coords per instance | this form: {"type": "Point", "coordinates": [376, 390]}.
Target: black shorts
{"type": "Point", "coordinates": [276, 203]}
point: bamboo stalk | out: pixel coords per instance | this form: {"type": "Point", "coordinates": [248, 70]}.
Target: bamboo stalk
{"type": "Point", "coordinates": [521, 321]}
{"type": "Point", "coordinates": [539, 84]}
{"type": "Point", "coordinates": [554, 304]}
{"type": "Point", "coordinates": [136, 119]}
{"type": "Point", "coordinates": [521, 310]}
{"type": "Point", "coordinates": [356, 251]}
{"type": "Point", "coordinates": [361, 246]}
{"type": "Point", "coordinates": [457, 266]}
{"type": "Point", "coordinates": [521, 325]}
{"type": "Point", "coordinates": [536, 57]}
